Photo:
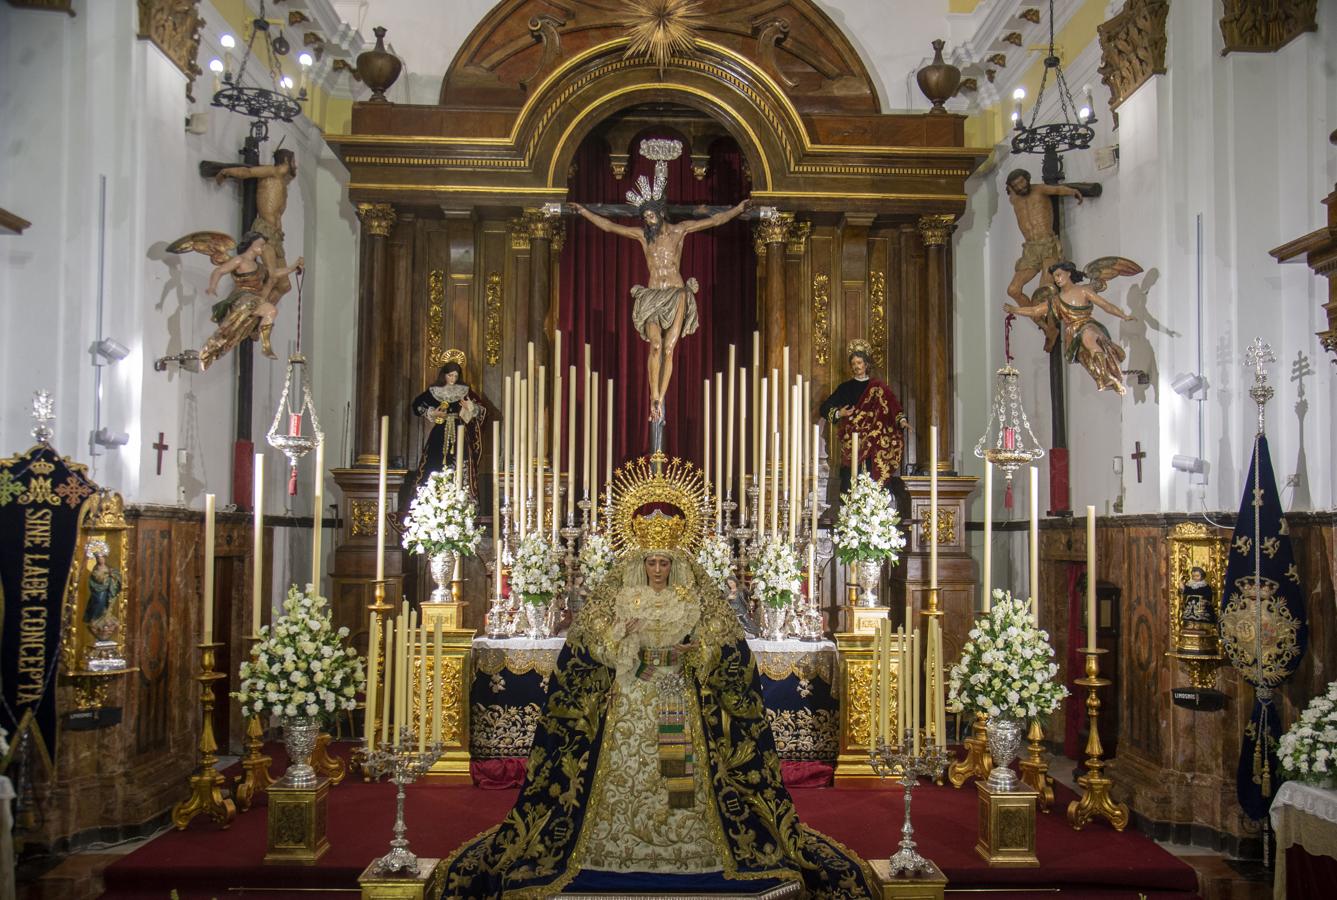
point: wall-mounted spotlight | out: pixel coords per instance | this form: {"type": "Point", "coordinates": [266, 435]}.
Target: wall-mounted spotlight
{"type": "Point", "coordinates": [1188, 384]}
{"type": "Point", "coordinates": [108, 438]}
{"type": "Point", "coordinates": [111, 350]}
{"type": "Point", "coordinates": [1191, 464]}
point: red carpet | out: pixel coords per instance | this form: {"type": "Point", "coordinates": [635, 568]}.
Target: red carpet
{"type": "Point", "coordinates": [204, 862]}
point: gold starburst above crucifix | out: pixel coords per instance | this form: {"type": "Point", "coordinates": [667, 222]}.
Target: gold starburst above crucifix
{"type": "Point", "coordinates": [661, 28]}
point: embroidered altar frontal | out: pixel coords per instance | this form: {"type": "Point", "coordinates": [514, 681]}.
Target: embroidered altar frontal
{"type": "Point", "coordinates": [511, 680]}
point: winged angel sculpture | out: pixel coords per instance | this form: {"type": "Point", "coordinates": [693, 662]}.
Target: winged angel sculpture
{"type": "Point", "coordinates": [1069, 304]}
{"type": "Point", "coordinates": [249, 309]}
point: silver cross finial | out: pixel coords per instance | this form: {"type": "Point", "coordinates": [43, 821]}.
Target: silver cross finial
{"type": "Point", "coordinates": [1257, 357]}
{"type": "Point", "coordinates": [43, 413]}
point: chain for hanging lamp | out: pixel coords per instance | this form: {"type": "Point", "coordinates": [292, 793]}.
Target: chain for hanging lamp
{"type": "Point", "coordinates": [1073, 131]}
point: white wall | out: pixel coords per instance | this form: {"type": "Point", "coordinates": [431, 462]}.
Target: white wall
{"type": "Point", "coordinates": [83, 99]}
{"type": "Point", "coordinates": [1240, 141]}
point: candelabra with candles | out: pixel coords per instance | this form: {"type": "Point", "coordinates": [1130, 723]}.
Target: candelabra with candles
{"type": "Point", "coordinates": [404, 765]}
{"type": "Point", "coordinates": [907, 766]}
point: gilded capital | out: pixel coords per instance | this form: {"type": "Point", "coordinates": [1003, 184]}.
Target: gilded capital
{"type": "Point", "coordinates": [936, 229]}
{"type": "Point", "coordinates": [777, 229]}
{"type": "Point", "coordinates": [377, 218]}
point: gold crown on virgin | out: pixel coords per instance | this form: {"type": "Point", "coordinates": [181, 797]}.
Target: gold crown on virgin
{"type": "Point", "coordinates": [658, 504]}
{"type": "Point", "coordinates": [661, 150]}
{"type": "Point", "coordinates": [658, 531]}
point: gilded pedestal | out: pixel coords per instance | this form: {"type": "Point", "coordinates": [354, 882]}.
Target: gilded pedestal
{"type": "Point", "coordinates": [920, 886]}
{"type": "Point", "coordinates": [855, 677]}
{"type": "Point", "coordinates": [452, 727]}
{"type": "Point", "coordinates": [424, 884]}
{"type": "Point", "coordinates": [1007, 827]}
{"type": "Point", "coordinates": [296, 824]}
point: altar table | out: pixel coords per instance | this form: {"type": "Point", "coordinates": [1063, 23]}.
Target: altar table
{"type": "Point", "coordinates": [511, 678]}
{"type": "Point", "coordinates": [1304, 818]}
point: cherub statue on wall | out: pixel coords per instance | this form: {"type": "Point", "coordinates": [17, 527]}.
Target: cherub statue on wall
{"type": "Point", "coordinates": [1069, 304]}
{"type": "Point", "coordinates": [250, 308]}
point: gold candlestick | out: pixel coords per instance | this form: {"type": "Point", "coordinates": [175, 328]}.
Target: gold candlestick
{"type": "Point", "coordinates": [1035, 769]}
{"type": "Point", "coordinates": [255, 779]}
{"type": "Point", "coordinates": [206, 785]}
{"type": "Point", "coordinates": [1096, 801]}
{"type": "Point", "coordinates": [978, 763]}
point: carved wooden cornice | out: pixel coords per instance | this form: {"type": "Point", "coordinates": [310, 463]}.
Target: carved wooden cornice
{"type": "Point", "coordinates": [1132, 47]}
{"type": "Point", "coordinates": [935, 230]}
{"type": "Point", "coordinates": [1248, 26]}
{"type": "Point", "coordinates": [377, 218]}
{"type": "Point", "coordinates": [173, 26]}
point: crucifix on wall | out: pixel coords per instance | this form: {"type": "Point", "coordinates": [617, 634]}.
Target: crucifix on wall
{"type": "Point", "coordinates": [161, 446]}
{"type": "Point", "coordinates": [1137, 456]}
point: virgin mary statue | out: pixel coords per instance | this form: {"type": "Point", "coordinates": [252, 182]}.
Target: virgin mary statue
{"type": "Point", "coordinates": [653, 768]}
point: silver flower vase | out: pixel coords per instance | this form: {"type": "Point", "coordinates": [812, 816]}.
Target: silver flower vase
{"type": "Point", "coordinates": [536, 620]}
{"type": "Point", "coordinates": [442, 565]}
{"type": "Point", "coordinates": [773, 621]}
{"type": "Point", "coordinates": [1004, 737]}
{"type": "Point", "coordinates": [870, 577]}
{"type": "Point", "coordinates": [299, 739]}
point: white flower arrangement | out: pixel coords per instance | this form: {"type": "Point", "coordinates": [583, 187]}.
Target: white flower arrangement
{"type": "Point", "coordinates": [441, 519]}
{"type": "Point", "coordinates": [1006, 668]}
{"type": "Point", "coordinates": [775, 575]}
{"type": "Point", "coordinates": [301, 665]}
{"type": "Point", "coordinates": [1308, 750]}
{"type": "Point", "coordinates": [716, 558]}
{"type": "Point", "coordinates": [596, 559]}
{"type": "Point", "coordinates": [866, 526]}
{"type": "Point", "coordinates": [535, 573]}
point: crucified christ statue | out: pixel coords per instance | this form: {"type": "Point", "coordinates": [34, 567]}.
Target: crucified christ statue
{"type": "Point", "coordinates": [665, 310]}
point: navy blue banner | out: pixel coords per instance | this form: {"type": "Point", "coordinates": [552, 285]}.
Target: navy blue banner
{"type": "Point", "coordinates": [41, 499]}
{"type": "Point", "coordinates": [1263, 627]}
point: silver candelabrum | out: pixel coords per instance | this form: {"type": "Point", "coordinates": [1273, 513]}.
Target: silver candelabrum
{"type": "Point", "coordinates": [908, 767]}
{"type": "Point", "coordinates": [405, 765]}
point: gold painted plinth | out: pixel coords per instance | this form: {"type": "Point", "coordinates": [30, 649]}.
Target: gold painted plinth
{"type": "Point", "coordinates": [296, 824]}
{"type": "Point", "coordinates": [865, 619]}
{"type": "Point", "coordinates": [1007, 827]}
{"type": "Point", "coordinates": [855, 677]}
{"type": "Point", "coordinates": [920, 886]}
{"type": "Point", "coordinates": [425, 883]}
{"type": "Point", "coordinates": [448, 614]}
{"type": "Point", "coordinates": [977, 763]}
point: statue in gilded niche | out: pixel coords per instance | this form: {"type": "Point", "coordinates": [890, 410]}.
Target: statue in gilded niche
{"type": "Point", "coordinates": [104, 583]}
{"type": "Point", "coordinates": [448, 403]}
{"type": "Point", "coordinates": [1070, 305]}
{"type": "Point", "coordinates": [665, 310]}
{"type": "Point", "coordinates": [1197, 612]}
{"type": "Point", "coordinates": [866, 406]}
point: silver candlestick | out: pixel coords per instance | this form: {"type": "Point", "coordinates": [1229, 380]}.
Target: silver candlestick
{"type": "Point", "coordinates": [404, 765]}
{"type": "Point", "coordinates": [906, 765]}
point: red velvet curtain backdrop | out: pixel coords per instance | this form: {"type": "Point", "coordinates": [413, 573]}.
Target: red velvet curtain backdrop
{"type": "Point", "coordinates": [598, 270]}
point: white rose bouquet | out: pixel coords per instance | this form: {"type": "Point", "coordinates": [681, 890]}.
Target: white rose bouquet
{"type": "Point", "coordinates": [866, 526]}
{"type": "Point", "coordinates": [301, 665]}
{"type": "Point", "coordinates": [441, 519]}
{"type": "Point", "coordinates": [775, 575]}
{"type": "Point", "coordinates": [535, 574]}
{"type": "Point", "coordinates": [1308, 750]}
{"type": "Point", "coordinates": [1006, 668]}
{"type": "Point", "coordinates": [596, 559]}
{"type": "Point", "coordinates": [716, 558]}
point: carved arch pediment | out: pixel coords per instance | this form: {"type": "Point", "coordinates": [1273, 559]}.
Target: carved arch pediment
{"type": "Point", "coordinates": [522, 42]}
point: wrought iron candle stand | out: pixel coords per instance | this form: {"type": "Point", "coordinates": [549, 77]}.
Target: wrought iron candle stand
{"type": "Point", "coordinates": [908, 767]}
{"type": "Point", "coordinates": [404, 765]}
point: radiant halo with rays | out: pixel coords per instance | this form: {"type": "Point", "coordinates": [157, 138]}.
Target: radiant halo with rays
{"type": "Point", "coordinates": [661, 28]}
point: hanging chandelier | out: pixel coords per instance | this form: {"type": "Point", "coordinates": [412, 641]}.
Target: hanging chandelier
{"type": "Point", "coordinates": [1072, 132]}
{"type": "Point", "coordinates": [295, 405]}
{"type": "Point", "coordinates": [278, 99]}
{"type": "Point", "coordinates": [1008, 441]}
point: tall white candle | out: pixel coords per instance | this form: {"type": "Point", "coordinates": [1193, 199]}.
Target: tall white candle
{"type": "Point", "coordinates": [742, 448]}
{"type": "Point", "coordinates": [257, 546]}
{"type": "Point", "coordinates": [571, 442]}
{"type": "Point", "coordinates": [556, 443]}
{"type": "Point", "coordinates": [764, 451]}
{"type": "Point", "coordinates": [522, 454]}
{"type": "Point", "coordinates": [542, 440]}
{"type": "Point", "coordinates": [792, 467]}
{"type": "Point", "coordinates": [1034, 544]}
{"type": "Point", "coordinates": [783, 424]}
{"type": "Point", "coordinates": [705, 430]}
{"type": "Point", "coordinates": [933, 506]}
{"type": "Point", "coordinates": [373, 676]}
{"type": "Point", "coordinates": [421, 667]}
{"type": "Point", "coordinates": [593, 413]}
{"type": "Point", "coordinates": [987, 572]}
{"type": "Point", "coordinates": [757, 402]}
{"type": "Point", "coordinates": [608, 440]}
{"type": "Point", "coordinates": [387, 713]}
{"type": "Point", "coordinates": [720, 472]}
{"type": "Point", "coordinates": [459, 456]}
{"type": "Point", "coordinates": [775, 484]}
{"type": "Point", "coordinates": [496, 486]}
{"type": "Point", "coordinates": [1090, 579]}
{"type": "Point", "coordinates": [854, 458]}
{"type": "Point", "coordinates": [208, 614]}
{"type": "Point", "coordinates": [383, 461]}
{"type": "Point", "coordinates": [585, 458]}
{"type": "Point", "coordinates": [317, 517]}
{"type": "Point", "coordinates": [731, 425]}
{"type": "Point", "coordinates": [507, 456]}
{"type": "Point", "coordinates": [812, 491]}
